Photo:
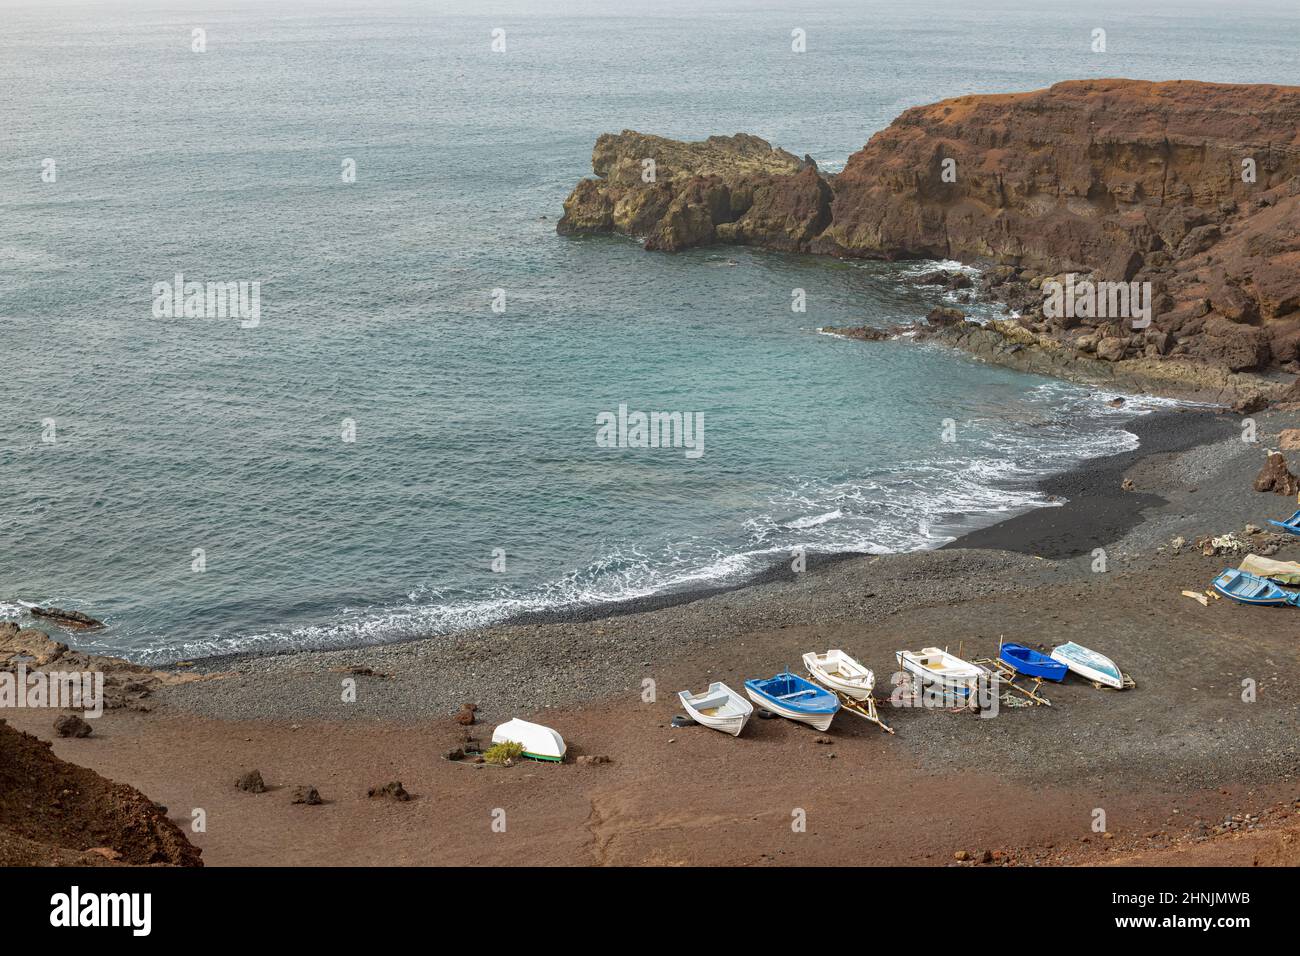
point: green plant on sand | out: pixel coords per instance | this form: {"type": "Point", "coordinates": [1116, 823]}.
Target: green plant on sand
{"type": "Point", "coordinates": [504, 752]}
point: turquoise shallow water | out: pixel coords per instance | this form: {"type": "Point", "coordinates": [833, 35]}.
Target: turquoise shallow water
{"type": "Point", "coordinates": [476, 430]}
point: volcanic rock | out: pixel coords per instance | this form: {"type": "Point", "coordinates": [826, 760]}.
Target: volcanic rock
{"type": "Point", "coordinates": [1276, 477]}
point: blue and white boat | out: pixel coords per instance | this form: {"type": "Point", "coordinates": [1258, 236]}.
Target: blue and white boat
{"type": "Point", "coordinates": [790, 696]}
{"type": "Point", "coordinates": [1246, 588]}
{"type": "Point", "coordinates": [1031, 663]}
{"type": "Point", "coordinates": [1090, 665]}
{"type": "Point", "coordinates": [1291, 525]}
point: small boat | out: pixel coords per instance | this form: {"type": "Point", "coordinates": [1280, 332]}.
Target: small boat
{"type": "Point", "coordinates": [1031, 663]}
{"type": "Point", "coordinates": [540, 743]}
{"type": "Point", "coordinates": [1089, 664]}
{"type": "Point", "coordinates": [1291, 525]}
{"type": "Point", "coordinates": [1246, 588]}
{"type": "Point", "coordinates": [932, 665]}
{"type": "Point", "coordinates": [840, 672]}
{"type": "Point", "coordinates": [790, 696]}
{"type": "Point", "coordinates": [719, 707]}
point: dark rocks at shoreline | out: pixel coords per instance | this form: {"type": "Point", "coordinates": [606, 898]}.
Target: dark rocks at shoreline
{"type": "Point", "coordinates": [126, 685]}
{"type": "Point", "coordinates": [1035, 192]}
{"type": "Point", "coordinates": [70, 619]}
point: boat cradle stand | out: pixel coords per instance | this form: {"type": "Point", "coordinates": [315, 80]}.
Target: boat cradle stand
{"type": "Point", "coordinates": [865, 709]}
{"type": "Point", "coordinates": [1010, 676]}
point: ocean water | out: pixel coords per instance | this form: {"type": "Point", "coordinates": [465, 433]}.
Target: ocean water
{"type": "Point", "coordinates": [475, 430]}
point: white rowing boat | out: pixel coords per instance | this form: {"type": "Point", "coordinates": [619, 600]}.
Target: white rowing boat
{"type": "Point", "coordinates": [931, 665]}
{"type": "Point", "coordinates": [719, 707]}
{"type": "Point", "coordinates": [1088, 664]}
{"type": "Point", "coordinates": [841, 673]}
{"type": "Point", "coordinates": [540, 743]}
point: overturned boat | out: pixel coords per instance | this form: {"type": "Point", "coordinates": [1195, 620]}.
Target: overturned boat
{"type": "Point", "coordinates": [1088, 664]}
{"type": "Point", "coordinates": [540, 743]}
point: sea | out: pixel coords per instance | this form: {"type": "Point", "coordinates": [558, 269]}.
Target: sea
{"type": "Point", "coordinates": [402, 439]}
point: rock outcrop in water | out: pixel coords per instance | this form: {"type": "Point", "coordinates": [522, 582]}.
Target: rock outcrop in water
{"type": "Point", "coordinates": [1191, 187]}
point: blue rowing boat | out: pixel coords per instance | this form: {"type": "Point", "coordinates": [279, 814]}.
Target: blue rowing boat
{"type": "Point", "coordinates": [1031, 663]}
{"type": "Point", "coordinates": [794, 698]}
{"type": "Point", "coordinates": [1291, 525]}
{"type": "Point", "coordinates": [1246, 588]}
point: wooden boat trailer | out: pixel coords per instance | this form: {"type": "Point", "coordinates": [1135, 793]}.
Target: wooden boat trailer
{"type": "Point", "coordinates": [1009, 676]}
{"type": "Point", "coordinates": [865, 708]}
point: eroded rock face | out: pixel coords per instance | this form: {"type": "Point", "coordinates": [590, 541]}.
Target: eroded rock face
{"type": "Point", "coordinates": [1191, 187]}
{"type": "Point", "coordinates": [736, 189]}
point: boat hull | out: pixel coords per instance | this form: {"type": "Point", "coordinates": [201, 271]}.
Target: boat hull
{"type": "Point", "coordinates": [731, 723]}
{"type": "Point", "coordinates": [961, 683]}
{"type": "Point", "coordinates": [1032, 663]}
{"type": "Point", "coordinates": [814, 720]}
{"type": "Point", "coordinates": [1089, 665]}
{"type": "Point", "coordinates": [855, 690]}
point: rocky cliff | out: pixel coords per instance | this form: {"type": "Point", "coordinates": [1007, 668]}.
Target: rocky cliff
{"type": "Point", "coordinates": [1191, 187]}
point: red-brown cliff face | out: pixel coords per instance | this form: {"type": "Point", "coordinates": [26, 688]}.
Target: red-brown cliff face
{"type": "Point", "coordinates": [1193, 187]}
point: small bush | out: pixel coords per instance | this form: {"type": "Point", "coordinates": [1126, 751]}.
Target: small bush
{"type": "Point", "coordinates": [505, 752]}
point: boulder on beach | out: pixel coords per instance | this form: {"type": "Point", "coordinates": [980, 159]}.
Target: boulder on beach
{"type": "Point", "coordinates": [1276, 477]}
{"type": "Point", "coordinates": [308, 795]}
{"type": "Point", "coordinates": [251, 782]}
{"type": "Point", "coordinates": [70, 725]}
{"type": "Point", "coordinates": [391, 791]}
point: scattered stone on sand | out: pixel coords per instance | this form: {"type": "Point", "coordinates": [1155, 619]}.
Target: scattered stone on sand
{"type": "Point", "coordinates": [72, 619]}
{"type": "Point", "coordinates": [391, 791]}
{"type": "Point", "coordinates": [465, 716]}
{"type": "Point", "coordinates": [594, 759]}
{"type": "Point", "coordinates": [1276, 477]}
{"type": "Point", "coordinates": [251, 782]}
{"type": "Point", "coordinates": [1289, 439]}
{"type": "Point", "coordinates": [1178, 543]}
{"type": "Point", "coordinates": [826, 741]}
{"type": "Point", "coordinates": [1127, 484]}
{"type": "Point", "coordinates": [307, 795]}
{"type": "Point", "coordinates": [70, 725]}
{"type": "Point", "coordinates": [456, 753]}
{"type": "Point", "coordinates": [961, 856]}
